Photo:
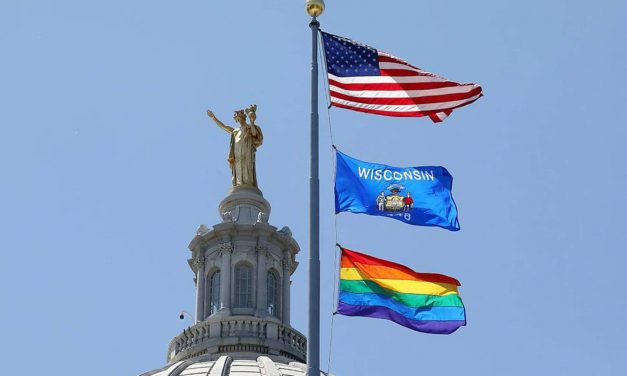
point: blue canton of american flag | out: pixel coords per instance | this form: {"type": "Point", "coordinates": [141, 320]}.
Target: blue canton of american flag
{"type": "Point", "coordinates": [364, 79]}
{"type": "Point", "coordinates": [346, 58]}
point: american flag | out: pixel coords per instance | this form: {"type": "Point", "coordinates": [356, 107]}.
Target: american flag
{"type": "Point", "coordinates": [364, 79]}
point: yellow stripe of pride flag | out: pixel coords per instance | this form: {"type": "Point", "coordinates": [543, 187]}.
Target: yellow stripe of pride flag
{"type": "Point", "coordinates": [405, 286]}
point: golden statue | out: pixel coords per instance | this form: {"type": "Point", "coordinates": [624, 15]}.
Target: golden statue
{"type": "Point", "coordinates": [244, 143]}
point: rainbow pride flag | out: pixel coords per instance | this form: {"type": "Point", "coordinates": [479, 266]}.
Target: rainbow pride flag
{"type": "Point", "coordinates": [425, 302]}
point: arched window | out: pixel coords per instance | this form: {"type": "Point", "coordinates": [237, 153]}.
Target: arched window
{"type": "Point", "coordinates": [273, 293]}
{"type": "Point", "coordinates": [214, 292]}
{"type": "Point", "coordinates": [243, 286]}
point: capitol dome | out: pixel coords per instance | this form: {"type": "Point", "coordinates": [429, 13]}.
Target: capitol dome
{"type": "Point", "coordinates": [231, 366]}
{"type": "Point", "coordinates": [242, 268]}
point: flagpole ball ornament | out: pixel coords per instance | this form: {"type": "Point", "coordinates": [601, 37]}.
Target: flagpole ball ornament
{"type": "Point", "coordinates": [314, 7]}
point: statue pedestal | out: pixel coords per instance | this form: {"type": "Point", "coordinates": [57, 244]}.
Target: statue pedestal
{"type": "Point", "coordinates": [245, 205]}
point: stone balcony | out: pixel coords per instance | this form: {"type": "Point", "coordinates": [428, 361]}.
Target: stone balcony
{"type": "Point", "coordinates": [238, 334]}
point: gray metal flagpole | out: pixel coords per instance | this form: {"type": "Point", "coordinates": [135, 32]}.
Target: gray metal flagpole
{"type": "Point", "coordinates": [314, 8]}
{"type": "Point", "coordinates": [313, 335]}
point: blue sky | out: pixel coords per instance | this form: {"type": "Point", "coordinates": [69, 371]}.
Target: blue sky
{"type": "Point", "coordinates": [109, 163]}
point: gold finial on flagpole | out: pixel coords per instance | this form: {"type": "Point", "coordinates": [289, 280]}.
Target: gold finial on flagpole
{"type": "Point", "coordinates": [314, 7]}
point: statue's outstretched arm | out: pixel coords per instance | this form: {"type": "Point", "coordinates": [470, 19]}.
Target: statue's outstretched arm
{"type": "Point", "coordinates": [220, 124]}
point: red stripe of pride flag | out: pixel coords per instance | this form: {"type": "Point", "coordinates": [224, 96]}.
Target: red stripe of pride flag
{"type": "Point", "coordinates": [350, 258]}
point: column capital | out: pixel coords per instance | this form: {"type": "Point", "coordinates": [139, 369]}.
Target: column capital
{"type": "Point", "coordinates": [262, 249]}
{"type": "Point", "coordinates": [226, 247]}
{"type": "Point", "coordinates": [198, 262]}
{"type": "Point", "coordinates": [287, 263]}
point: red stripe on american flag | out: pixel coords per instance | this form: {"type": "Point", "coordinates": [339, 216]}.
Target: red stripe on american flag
{"type": "Point", "coordinates": [399, 73]}
{"type": "Point", "coordinates": [379, 112]}
{"type": "Point", "coordinates": [431, 114]}
{"type": "Point", "coordinates": [440, 116]}
{"type": "Point", "coordinates": [391, 59]}
{"type": "Point", "coordinates": [447, 111]}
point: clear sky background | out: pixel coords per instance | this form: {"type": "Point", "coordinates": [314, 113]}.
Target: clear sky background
{"type": "Point", "coordinates": [108, 164]}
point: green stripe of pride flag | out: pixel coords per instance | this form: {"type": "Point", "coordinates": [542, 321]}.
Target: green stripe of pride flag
{"type": "Point", "coordinates": [410, 300]}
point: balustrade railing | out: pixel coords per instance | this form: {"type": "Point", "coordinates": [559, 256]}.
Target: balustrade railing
{"type": "Point", "coordinates": [283, 339]}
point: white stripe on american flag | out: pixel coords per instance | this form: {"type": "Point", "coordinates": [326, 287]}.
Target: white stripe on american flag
{"type": "Point", "coordinates": [441, 115]}
{"type": "Point", "coordinates": [403, 93]}
{"type": "Point", "coordinates": [406, 108]}
{"type": "Point", "coordinates": [384, 79]}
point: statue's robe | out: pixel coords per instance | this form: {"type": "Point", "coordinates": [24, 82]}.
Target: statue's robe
{"type": "Point", "coordinates": [242, 155]}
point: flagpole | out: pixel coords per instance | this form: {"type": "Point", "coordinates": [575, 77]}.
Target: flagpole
{"type": "Point", "coordinates": [314, 8]}
{"type": "Point", "coordinates": [313, 335]}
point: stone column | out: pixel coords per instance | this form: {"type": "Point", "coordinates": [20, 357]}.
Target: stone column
{"type": "Point", "coordinates": [225, 277]}
{"type": "Point", "coordinates": [262, 275]}
{"type": "Point", "coordinates": [285, 301]}
{"type": "Point", "coordinates": [199, 264]}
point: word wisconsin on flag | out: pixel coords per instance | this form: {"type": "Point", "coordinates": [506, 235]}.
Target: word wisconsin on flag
{"type": "Point", "coordinates": [415, 195]}
{"type": "Point", "coordinates": [364, 79]}
{"type": "Point", "coordinates": [377, 288]}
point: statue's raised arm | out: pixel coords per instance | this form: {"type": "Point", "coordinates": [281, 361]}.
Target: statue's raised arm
{"type": "Point", "coordinates": [220, 124]}
{"type": "Point", "coordinates": [244, 143]}
{"type": "Point", "coordinates": [255, 130]}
